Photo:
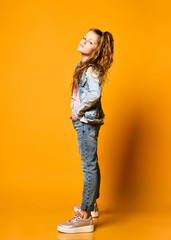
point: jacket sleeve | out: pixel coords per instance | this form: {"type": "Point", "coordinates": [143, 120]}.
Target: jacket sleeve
{"type": "Point", "coordinates": [92, 96]}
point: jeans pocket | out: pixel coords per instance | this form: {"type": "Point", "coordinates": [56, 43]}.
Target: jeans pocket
{"type": "Point", "coordinates": [75, 123]}
{"type": "Point", "coordinates": [93, 130]}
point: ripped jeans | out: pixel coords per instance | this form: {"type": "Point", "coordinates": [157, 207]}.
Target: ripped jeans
{"type": "Point", "coordinates": [87, 136]}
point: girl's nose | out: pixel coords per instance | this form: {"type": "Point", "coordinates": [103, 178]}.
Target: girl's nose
{"type": "Point", "coordinates": [84, 41]}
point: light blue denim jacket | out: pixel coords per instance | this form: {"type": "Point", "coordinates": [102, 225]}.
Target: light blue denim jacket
{"type": "Point", "coordinates": [89, 90]}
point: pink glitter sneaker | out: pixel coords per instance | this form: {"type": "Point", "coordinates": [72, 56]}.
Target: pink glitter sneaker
{"type": "Point", "coordinates": [76, 224]}
{"type": "Point", "coordinates": [94, 213]}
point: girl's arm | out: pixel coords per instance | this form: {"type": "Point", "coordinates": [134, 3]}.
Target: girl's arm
{"type": "Point", "coordinates": [93, 95]}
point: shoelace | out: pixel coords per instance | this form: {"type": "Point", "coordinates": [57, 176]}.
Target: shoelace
{"type": "Point", "coordinates": [76, 216]}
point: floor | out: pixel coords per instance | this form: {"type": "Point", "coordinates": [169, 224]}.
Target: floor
{"type": "Point", "coordinates": [41, 224]}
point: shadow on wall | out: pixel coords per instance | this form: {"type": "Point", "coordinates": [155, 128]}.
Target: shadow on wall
{"type": "Point", "coordinates": [132, 145]}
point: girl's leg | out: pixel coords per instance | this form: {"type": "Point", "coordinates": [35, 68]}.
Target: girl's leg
{"type": "Point", "coordinates": [98, 181]}
{"type": "Point", "coordinates": [87, 135]}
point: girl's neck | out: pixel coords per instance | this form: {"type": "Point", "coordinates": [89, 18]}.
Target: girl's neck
{"type": "Point", "coordinates": [84, 57]}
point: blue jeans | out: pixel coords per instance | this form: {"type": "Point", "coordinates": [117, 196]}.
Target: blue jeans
{"type": "Point", "coordinates": [87, 136]}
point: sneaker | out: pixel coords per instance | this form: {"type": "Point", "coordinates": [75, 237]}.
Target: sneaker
{"type": "Point", "coordinates": [94, 213]}
{"type": "Point", "coordinates": [76, 224]}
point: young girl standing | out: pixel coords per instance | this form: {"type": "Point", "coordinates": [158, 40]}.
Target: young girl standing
{"type": "Point", "coordinates": [87, 116]}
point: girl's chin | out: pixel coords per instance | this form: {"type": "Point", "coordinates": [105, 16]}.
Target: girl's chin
{"type": "Point", "coordinates": [79, 50]}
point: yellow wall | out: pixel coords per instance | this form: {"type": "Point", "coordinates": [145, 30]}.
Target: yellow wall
{"type": "Point", "coordinates": [40, 162]}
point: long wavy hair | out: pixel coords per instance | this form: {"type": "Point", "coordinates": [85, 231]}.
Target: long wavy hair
{"type": "Point", "coordinates": [101, 58]}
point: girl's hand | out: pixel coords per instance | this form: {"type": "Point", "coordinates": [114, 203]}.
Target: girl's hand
{"type": "Point", "coordinates": [72, 116]}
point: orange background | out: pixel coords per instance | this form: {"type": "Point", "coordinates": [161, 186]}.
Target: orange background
{"type": "Point", "coordinates": [40, 162]}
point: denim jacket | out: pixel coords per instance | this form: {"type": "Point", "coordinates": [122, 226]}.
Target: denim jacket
{"type": "Point", "coordinates": [89, 91]}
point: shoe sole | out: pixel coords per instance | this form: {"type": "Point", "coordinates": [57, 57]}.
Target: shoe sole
{"type": "Point", "coordinates": [93, 214]}
{"type": "Point", "coordinates": [76, 230]}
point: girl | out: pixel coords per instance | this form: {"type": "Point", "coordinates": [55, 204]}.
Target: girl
{"type": "Point", "coordinates": [87, 116]}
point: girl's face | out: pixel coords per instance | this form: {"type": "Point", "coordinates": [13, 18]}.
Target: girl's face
{"type": "Point", "coordinates": [89, 43]}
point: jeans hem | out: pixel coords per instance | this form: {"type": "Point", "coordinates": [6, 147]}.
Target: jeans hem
{"type": "Point", "coordinates": [86, 208]}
